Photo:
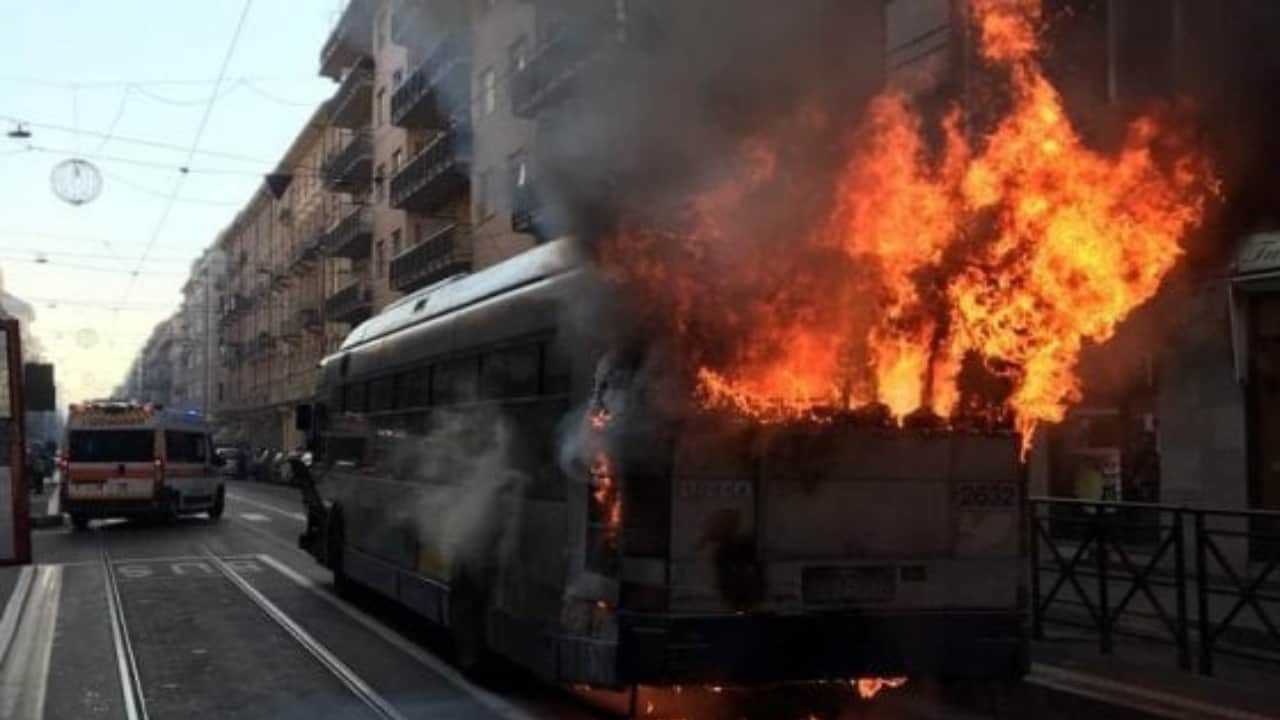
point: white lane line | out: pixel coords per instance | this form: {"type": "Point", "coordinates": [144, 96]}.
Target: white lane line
{"type": "Point", "coordinates": [326, 657]}
{"type": "Point", "coordinates": [24, 676]}
{"type": "Point", "coordinates": [255, 517]}
{"type": "Point", "coordinates": [1135, 697]}
{"type": "Point", "coordinates": [300, 517]}
{"type": "Point", "coordinates": [135, 703]}
{"type": "Point", "coordinates": [492, 702]}
{"type": "Point", "coordinates": [13, 610]}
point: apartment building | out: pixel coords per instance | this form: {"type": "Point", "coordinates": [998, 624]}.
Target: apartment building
{"type": "Point", "coordinates": [195, 369]}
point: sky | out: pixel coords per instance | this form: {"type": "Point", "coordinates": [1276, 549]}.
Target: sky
{"type": "Point", "coordinates": [114, 83]}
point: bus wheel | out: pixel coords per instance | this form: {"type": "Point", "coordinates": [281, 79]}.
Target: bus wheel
{"type": "Point", "coordinates": [467, 611]}
{"type": "Point", "coordinates": [79, 521]}
{"type": "Point", "coordinates": [219, 504]}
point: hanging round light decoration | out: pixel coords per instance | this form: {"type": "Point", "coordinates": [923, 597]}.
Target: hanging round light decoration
{"type": "Point", "coordinates": [76, 181]}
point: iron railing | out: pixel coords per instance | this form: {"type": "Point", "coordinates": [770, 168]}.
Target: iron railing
{"type": "Point", "coordinates": [1090, 561]}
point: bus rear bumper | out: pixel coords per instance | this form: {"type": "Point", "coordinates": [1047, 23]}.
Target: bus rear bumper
{"type": "Point", "coordinates": [757, 649]}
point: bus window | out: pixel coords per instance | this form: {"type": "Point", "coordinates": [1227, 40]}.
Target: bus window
{"type": "Point", "coordinates": [345, 449]}
{"type": "Point", "coordinates": [382, 394]}
{"type": "Point", "coordinates": [454, 381]}
{"type": "Point", "coordinates": [184, 447]}
{"type": "Point", "coordinates": [413, 388]}
{"type": "Point", "coordinates": [509, 373]}
{"type": "Point", "coordinates": [555, 370]}
{"type": "Point", "coordinates": [353, 397]}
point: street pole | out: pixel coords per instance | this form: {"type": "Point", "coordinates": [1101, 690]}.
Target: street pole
{"type": "Point", "coordinates": [208, 329]}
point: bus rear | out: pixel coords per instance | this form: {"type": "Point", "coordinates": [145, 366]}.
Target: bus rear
{"type": "Point", "coordinates": [832, 550]}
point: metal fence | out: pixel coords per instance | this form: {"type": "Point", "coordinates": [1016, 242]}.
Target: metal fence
{"type": "Point", "coordinates": [1203, 580]}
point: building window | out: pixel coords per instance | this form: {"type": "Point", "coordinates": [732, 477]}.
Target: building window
{"type": "Point", "coordinates": [379, 182]}
{"type": "Point", "coordinates": [489, 83]}
{"type": "Point", "coordinates": [380, 30]}
{"type": "Point", "coordinates": [518, 164]}
{"type": "Point", "coordinates": [395, 242]}
{"type": "Point", "coordinates": [396, 156]}
{"type": "Point", "coordinates": [379, 103]}
{"type": "Point", "coordinates": [380, 259]}
{"type": "Point", "coordinates": [484, 208]}
{"type": "Point", "coordinates": [397, 77]}
{"type": "Point", "coordinates": [519, 52]}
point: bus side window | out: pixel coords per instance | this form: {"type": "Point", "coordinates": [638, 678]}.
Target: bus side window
{"type": "Point", "coordinates": [353, 397]}
{"type": "Point", "coordinates": [455, 381]}
{"type": "Point", "coordinates": [555, 369]}
{"type": "Point", "coordinates": [509, 373]}
{"type": "Point", "coordinates": [382, 394]}
{"type": "Point", "coordinates": [413, 388]}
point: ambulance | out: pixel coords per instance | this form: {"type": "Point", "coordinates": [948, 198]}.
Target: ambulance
{"type": "Point", "coordinates": [129, 459]}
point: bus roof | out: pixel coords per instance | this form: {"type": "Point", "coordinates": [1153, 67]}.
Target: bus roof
{"type": "Point", "coordinates": [453, 293]}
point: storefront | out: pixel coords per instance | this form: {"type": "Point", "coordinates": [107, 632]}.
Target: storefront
{"type": "Point", "coordinates": [1255, 306]}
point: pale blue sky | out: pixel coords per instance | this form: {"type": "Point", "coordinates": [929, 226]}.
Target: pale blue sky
{"type": "Point", "coordinates": [153, 64]}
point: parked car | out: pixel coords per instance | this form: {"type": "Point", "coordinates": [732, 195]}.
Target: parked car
{"type": "Point", "coordinates": [235, 463]}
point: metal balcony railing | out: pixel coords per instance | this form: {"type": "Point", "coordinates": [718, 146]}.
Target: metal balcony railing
{"type": "Point", "coordinates": [446, 253]}
{"type": "Point", "coordinates": [351, 304]}
{"type": "Point", "coordinates": [551, 74]}
{"type": "Point", "coordinates": [435, 94]}
{"type": "Point", "coordinates": [350, 39]}
{"type": "Point", "coordinates": [1203, 581]}
{"type": "Point", "coordinates": [309, 318]}
{"type": "Point", "coordinates": [435, 174]}
{"type": "Point", "coordinates": [306, 252]}
{"type": "Point", "coordinates": [532, 212]}
{"type": "Point", "coordinates": [350, 237]}
{"type": "Point", "coordinates": [351, 106]}
{"type": "Point", "coordinates": [350, 168]}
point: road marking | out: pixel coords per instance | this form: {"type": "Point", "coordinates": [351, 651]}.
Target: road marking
{"type": "Point", "coordinates": [1135, 697]}
{"type": "Point", "coordinates": [326, 657]}
{"type": "Point", "coordinates": [13, 610]}
{"type": "Point", "coordinates": [255, 517]}
{"type": "Point", "coordinates": [300, 517]}
{"type": "Point", "coordinates": [135, 704]}
{"type": "Point", "coordinates": [25, 673]}
{"type": "Point", "coordinates": [492, 702]}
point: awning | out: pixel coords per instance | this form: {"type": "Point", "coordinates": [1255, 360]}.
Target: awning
{"type": "Point", "coordinates": [1257, 263]}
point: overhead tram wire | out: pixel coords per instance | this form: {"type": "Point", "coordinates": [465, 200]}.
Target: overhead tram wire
{"type": "Point", "coordinates": [195, 145]}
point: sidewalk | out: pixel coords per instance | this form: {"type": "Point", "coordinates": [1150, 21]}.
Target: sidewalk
{"type": "Point", "coordinates": [1144, 675]}
{"type": "Point", "coordinates": [45, 509]}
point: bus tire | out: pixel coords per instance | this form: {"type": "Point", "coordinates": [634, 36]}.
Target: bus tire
{"type": "Point", "coordinates": [79, 521]}
{"type": "Point", "coordinates": [468, 608]}
{"type": "Point", "coordinates": [219, 504]}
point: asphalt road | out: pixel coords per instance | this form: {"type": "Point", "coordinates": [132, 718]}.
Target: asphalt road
{"type": "Point", "coordinates": [229, 619]}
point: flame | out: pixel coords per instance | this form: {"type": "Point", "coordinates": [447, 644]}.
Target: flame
{"type": "Point", "coordinates": [1011, 250]}
{"type": "Point", "coordinates": [869, 687]}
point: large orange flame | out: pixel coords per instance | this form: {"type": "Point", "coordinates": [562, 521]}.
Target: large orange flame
{"type": "Point", "coordinates": [1015, 249]}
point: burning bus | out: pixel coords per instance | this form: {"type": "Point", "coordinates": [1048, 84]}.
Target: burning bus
{"type": "Point", "coordinates": [548, 505]}
{"type": "Point", "coordinates": [763, 416]}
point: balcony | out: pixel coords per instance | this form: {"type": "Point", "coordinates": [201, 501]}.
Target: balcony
{"type": "Point", "coordinates": [230, 355]}
{"type": "Point", "coordinates": [280, 278]}
{"type": "Point", "coordinates": [351, 105]}
{"type": "Point", "coordinates": [262, 343]}
{"type": "Point", "coordinates": [309, 319]}
{"type": "Point", "coordinates": [434, 175]}
{"type": "Point", "coordinates": [435, 95]}
{"type": "Point", "coordinates": [351, 236]}
{"type": "Point", "coordinates": [352, 304]}
{"type": "Point", "coordinates": [446, 253]}
{"type": "Point", "coordinates": [291, 329]}
{"type": "Point", "coordinates": [306, 253]}
{"type": "Point", "coordinates": [413, 24]}
{"type": "Point", "coordinates": [533, 213]}
{"type": "Point", "coordinates": [350, 41]}
{"type": "Point", "coordinates": [350, 168]}
{"type": "Point", "coordinates": [552, 73]}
